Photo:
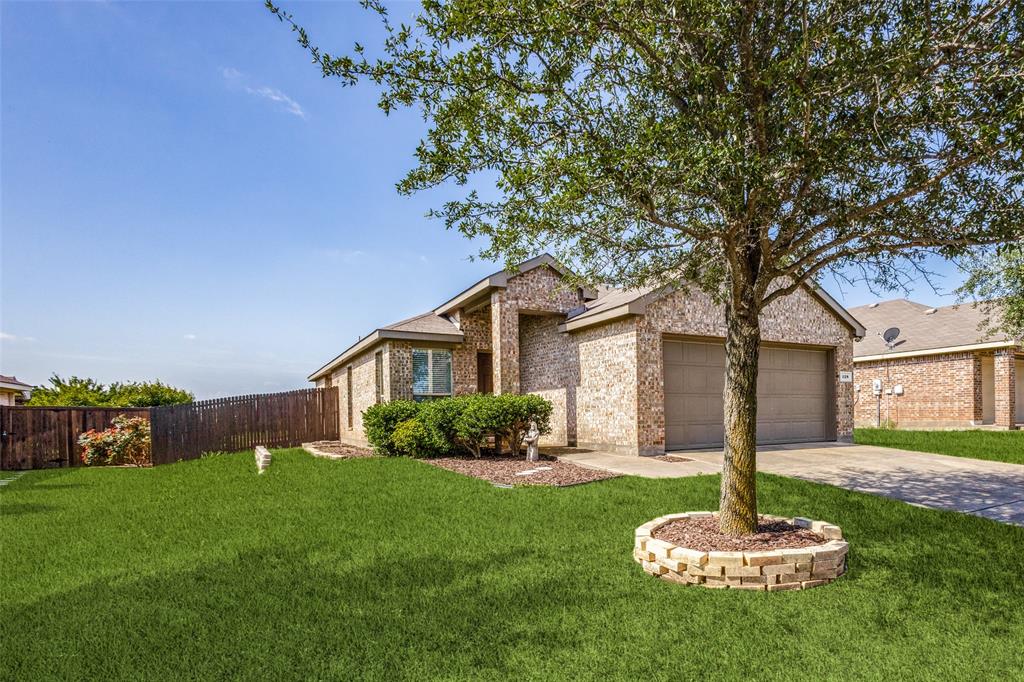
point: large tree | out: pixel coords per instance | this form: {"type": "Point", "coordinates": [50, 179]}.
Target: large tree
{"type": "Point", "coordinates": [742, 147]}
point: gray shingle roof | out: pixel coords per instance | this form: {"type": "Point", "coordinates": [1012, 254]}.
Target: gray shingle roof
{"type": "Point", "coordinates": [946, 327]}
{"type": "Point", "coordinates": [11, 383]}
{"type": "Point", "coordinates": [427, 323]}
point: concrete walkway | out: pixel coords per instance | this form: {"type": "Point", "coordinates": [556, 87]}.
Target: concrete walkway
{"type": "Point", "coordinates": [994, 490]}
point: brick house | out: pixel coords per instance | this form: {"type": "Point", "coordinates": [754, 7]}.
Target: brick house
{"type": "Point", "coordinates": [636, 372]}
{"type": "Point", "coordinates": [12, 391]}
{"type": "Point", "coordinates": [942, 371]}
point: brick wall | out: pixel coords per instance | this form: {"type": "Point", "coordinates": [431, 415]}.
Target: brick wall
{"type": "Point", "coordinates": [476, 330]}
{"type": "Point", "coordinates": [549, 367]}
{"type": "Point", "coordinates": [396, 380]}
{"type": "Point", "coordinates": [939, 391]}
{"type": "Point", "coordinates": [1019, 388]}
{"type": "Point", "coordinates": [538, 290]}
{"type": "Point", "coordinates": [398, 370]}
{"type": "Point", "coordinates": [606, 399]}
{"type": "Point", "coordinates": [1005, 388]}
{"type": "Point", "coordinates": [364, 392]}
{"type": "Point", "coordinates": [505, 342]}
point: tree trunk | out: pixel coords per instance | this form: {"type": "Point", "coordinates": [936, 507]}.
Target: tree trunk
{"type": "Point", "coordinates": [738, 504]}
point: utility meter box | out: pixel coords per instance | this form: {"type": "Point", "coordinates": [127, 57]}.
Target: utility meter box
{"type": "Point", "coordinates": [876, 386]}
{"type": "Point", "coordinates": [897, 389]}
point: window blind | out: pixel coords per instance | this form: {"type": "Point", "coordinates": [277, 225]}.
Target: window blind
{"type": "Point", "coordinates": [431, 372]}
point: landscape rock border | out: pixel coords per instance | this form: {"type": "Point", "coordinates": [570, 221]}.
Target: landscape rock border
{"type": "Point", "coordinates": [313, 449]}
{"type": "Point", "coordinates": [771, 571]}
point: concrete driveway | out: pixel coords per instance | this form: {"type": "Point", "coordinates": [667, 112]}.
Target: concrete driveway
{"type": "Point", "coordinates": [994, 490]}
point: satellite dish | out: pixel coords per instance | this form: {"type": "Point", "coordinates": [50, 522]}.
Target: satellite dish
{"type": "Point", "coordinates": [890, 335]}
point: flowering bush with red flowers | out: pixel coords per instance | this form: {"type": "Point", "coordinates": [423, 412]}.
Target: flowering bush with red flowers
{"type": "Point", "coordinates": [126, 442]}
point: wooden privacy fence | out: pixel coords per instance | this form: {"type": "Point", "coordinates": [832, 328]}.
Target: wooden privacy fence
{"type": "Point", "coordinates": [243, 422]}
{"type": "Point", "coordinates": [42, 437]}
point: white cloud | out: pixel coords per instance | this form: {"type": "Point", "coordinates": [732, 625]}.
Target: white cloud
{"type": "Point", "coordinates": [4, 336]}
{"type": "Point", "coordinates": [190, 337]}
{"type": "Point", "coordinates": [290, 105]}
{"type": "Point", "coordinates": [235, 77]}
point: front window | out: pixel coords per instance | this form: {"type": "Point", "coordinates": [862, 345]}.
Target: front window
{"type": "Point", "coordinates": [431, 373]}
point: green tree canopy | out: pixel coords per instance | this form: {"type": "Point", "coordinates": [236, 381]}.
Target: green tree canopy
{"type": "Point", "coordinates": [996, 283]}
{"type": "Point", "coordinates": [745, 147]}
{"type": "Point", "coordinates": [75, 391]}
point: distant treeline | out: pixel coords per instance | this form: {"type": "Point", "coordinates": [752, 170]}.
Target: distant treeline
{"type": "Point", "coordinates": [76, 391]}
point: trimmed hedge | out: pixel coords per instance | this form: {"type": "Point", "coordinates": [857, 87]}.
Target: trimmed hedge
{"type": "Point", "coordinates": [448, 426]}
{"type": "Point", "coordinates": [381, 420]}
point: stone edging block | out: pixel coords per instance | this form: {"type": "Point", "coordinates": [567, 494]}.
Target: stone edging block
{"type": "Point", "coordinates": [766, 571]}
{"type": "Point", "coordinates": [262, 459]}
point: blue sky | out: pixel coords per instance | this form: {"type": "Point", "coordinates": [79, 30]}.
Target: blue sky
{"type": "Point", "coordinates": [185, 198]}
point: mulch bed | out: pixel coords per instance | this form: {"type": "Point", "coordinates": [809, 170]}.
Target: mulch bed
{"type": "Point", "coordinates": [339, 449]}
{"type": "Point", "coordinates": [670, 458]}
{"type": "Point", "coordinates": [502, 470]}
{"type": "Point", "coordinates": [702, 534]}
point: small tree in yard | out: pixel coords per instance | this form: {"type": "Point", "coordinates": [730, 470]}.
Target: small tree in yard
{"type": "Point", "coordinates": [741, 147]}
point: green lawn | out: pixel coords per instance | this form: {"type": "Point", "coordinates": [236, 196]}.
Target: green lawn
{"type": "Point", "coordinates": [392, 569]}
{"type": "Point", "coordinates": [1000, 446]}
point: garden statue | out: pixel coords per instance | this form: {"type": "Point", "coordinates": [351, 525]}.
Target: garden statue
{"type": "Point", "coordinates": [532, 449]}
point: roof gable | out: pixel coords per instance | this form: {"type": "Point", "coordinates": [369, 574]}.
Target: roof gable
{"type": "Point", "coordinates": [622, 302]}
{"type": "Point", "coordinates": [499, 280]}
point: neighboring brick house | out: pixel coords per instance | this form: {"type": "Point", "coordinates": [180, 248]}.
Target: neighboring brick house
{"type": "Point", "coordinates": [12, 391]}
{"type": "Point", "coordinates": [942, 370]}
{"type": "Point", "coordinates": [637, 371]}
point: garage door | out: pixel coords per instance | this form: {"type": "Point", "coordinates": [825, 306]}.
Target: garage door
{"type": "Point", "coordinates": [792, 390]}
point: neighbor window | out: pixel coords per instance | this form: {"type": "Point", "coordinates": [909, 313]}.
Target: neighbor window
{"type": "Point", "coordinates": [431, 373]}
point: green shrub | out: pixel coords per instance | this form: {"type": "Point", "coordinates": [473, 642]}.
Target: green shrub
{"type": "Point", "coordinates": [477, 423]}
{"type": "Point", "coordinates": [381, 420]}
{"type": "Point", "coordinates": [439, 419]}
{"type": "Point", "coordinates": [513, 414]}
{"type": "Point", "coordinates": [411, 439]}
{"type": "Point", "coordinates": [126, 442]}
{"type": "Point", "coordinates": [443, 427]}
